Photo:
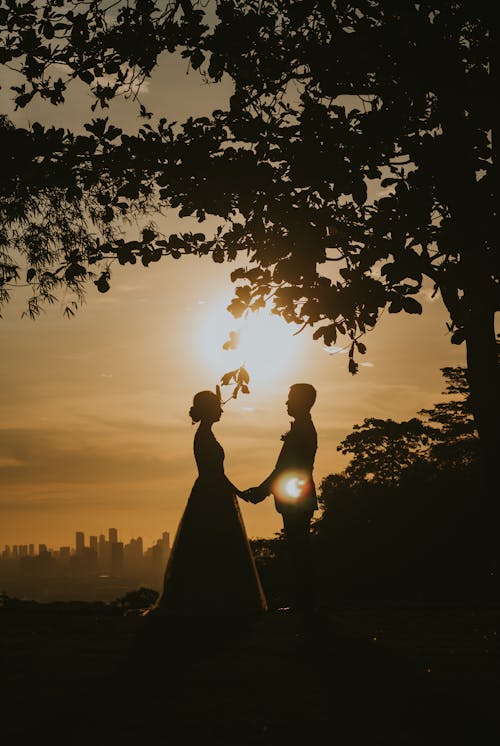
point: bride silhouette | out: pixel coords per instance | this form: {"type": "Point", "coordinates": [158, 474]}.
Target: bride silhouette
{"type": "Point", "coordinates": [211, 570]}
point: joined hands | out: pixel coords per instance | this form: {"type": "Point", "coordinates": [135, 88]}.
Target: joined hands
{"type": "Point", "coordinates": [254, 495]}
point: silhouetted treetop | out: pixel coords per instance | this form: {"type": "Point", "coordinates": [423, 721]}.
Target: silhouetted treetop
{"type": "Point", "coordinates": [383, 449]}
{"type": "Point", "coordinates": [455, 444]}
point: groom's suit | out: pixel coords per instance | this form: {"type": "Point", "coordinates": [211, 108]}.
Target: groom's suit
{"type": "Point", "coordinates": [297, 457]}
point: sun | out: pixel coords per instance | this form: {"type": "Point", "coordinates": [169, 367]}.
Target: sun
{"type": "Point", "coordinates": [266, 344]}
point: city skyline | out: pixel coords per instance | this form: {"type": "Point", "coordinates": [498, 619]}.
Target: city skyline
{"type": "Point", "coordinates": [99, 566]}
{"type": "Point", "coordinates": [28, 548]}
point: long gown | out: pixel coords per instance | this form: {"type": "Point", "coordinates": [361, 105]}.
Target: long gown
{"type": "Point", "coordinates": [211, 570]}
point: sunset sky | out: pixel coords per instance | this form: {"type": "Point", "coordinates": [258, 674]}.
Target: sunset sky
{"type": "Point", "coordinates": [95, 430]}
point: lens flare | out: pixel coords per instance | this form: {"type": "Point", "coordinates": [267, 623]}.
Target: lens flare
{"type": "Point", "coordinates": [291, 486]}
{"type": "Point", "coordinates": [294, 486]}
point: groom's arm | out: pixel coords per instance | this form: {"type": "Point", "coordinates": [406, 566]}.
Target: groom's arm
{"type": "Point", "coordinates": [264, 489]}
{"type": "Point", "coordinates": [258, 494]}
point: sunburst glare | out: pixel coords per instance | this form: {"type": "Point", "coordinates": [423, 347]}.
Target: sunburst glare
{"type": "Point", "coordinates": [264, 344]}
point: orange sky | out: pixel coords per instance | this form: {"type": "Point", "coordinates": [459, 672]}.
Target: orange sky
{"type": "Point", "coordinates": [95, 431]}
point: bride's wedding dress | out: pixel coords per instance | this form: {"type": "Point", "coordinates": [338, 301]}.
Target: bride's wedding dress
{"type": "Point", "coordinates": [211, 570]}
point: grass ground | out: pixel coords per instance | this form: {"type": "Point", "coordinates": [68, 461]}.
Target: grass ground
{"type": "Point", "coordinates": [374, 676]}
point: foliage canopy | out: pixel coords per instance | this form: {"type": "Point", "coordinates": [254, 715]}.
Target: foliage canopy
{"type": "Point", "coordinates": [354, 162]}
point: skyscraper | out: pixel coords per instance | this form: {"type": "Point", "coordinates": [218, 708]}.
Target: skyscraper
{"type": "Point", "coordinates": [93, 543]}
{"type": "Point", "coordinates": [102, 545]}
{"type": "Point", "coordinates": [80, 542]}
{"type": "Point", "coordinates": [112, 535]}
{"type": "Point", "coordinates": [117, 557]}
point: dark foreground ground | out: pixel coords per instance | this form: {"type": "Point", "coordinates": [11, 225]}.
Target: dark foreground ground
{"type": "Point", "coordinates": [392, 675]}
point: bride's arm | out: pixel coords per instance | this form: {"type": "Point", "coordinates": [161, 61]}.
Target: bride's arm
{"type": "Point", "coordinates": [234, 488]}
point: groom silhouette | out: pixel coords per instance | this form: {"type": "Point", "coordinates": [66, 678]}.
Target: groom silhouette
{"type": "Point", "coordinates": [292, 485]}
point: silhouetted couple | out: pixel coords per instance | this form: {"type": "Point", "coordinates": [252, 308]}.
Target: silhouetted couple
{"type": "Point", "coordinates": [211, 570]}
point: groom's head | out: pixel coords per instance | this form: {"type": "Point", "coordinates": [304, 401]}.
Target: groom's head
{"type": "Point", "coordinates": [301, 397]}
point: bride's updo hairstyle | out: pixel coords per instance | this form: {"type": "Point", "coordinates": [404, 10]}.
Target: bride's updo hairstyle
{"type": "Point", "coordinates": [205, 404]}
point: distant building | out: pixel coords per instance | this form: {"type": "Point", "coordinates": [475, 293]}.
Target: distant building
{"type": "Point", "coordinates": [31, 550]}
{"type": "Point", "coordinates": [93, 543]}
{"type": "Point", "coordinates": [79, 542]}
{"type": "Point", "coordinates": [165, 547]}
{"type": "Point", "coordinates": [133, 556]}
{"type": "Point", "coordinates": [102, 545]}
{"type": "Point", "coordinates": [112, 535]}
{"type": "Point", "coordinates": [160, 553]}
{"type": "Point", "coordinates": [117, 558]}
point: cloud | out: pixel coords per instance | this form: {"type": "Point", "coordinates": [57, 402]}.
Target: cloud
{"type": "Point", "coordinates": [334, 350]}
{"type": "Point", "coordinates": [43, 458]}
{"type": "Point", "coordinates": [6, 461]}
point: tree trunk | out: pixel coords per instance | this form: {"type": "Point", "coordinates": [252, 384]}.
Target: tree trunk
{"type": "Point", "coordinates": [474, 311]}
{"type": "Point", "coordinates": [484, 382]}
{"type": "Point", "coordinates": [483, 375]}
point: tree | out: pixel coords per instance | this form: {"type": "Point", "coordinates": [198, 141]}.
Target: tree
{"type": "Point", "coordinates": [407, 502]}
{"type": "Point", "coordinates": [384, 452]}
{"type": "Point", "coordinates": [383, 449]}
{"type": "Point", "coordinates": [455, 442]}
{"type": "Point", "coordinates": [356, 160]}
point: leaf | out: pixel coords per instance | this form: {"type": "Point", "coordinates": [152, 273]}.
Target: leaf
{"type": "Point", "coordinates": [243, 376]}
{"type": "Point", "coordinates": [144, 113]}
{"type": "Point", "coordinates": [197, 59]}
{"type": "Point", "coordinates": [238, 274]}
{"type": "Point", "coordinates": [148, 235]}
{"type": "Point", "coordinates": [388, 182]}
{"type": "Point", "coordinates": [353, 367]}
{"type": "Point", "coordinates": [233, 341]}
{"type": "Point", "coordinates": [102, 284]}
{"type": "Point", "coordinates": [330, 335]}
{"type": "Point", "coordinates": [360, 193]}
{"type": "Point", "coordinates": [112, 132]}
{"type": "Point", "coordinates": [237, 308]}
{"type": "Point", "coordinates": [228, 377]}
{"type": "Point", "coordinates": [396, 305]}
{"type": "Point", "coordinates": [86, 76]}
{"type": "Point", "coordinates": [458, 337]}
{"type": "Point", "coordinates": [319, 332]}
{"type": "Point", "coordinates": [30, 274]}
{"type": "Point", "coordinates": [108, 214]}
{"type": "Point", "coordinates": [21, 101]}
{"type": "Point", "coordinates": [410, 305]}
